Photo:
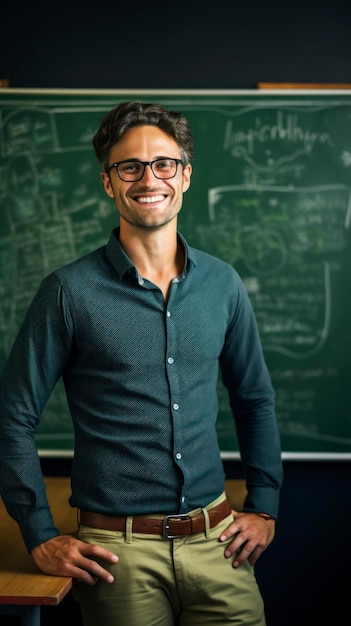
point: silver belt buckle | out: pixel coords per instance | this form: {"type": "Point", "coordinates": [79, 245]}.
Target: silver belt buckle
{"type": "Point", "coordinates": [165, 527]}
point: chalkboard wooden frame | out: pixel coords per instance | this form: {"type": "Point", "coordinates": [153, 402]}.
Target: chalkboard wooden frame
{"type": "Point", "coordinates": [270, 193]}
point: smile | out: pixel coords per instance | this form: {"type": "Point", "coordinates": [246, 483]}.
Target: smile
{"type": "Point", "coordinates": [149, 199]}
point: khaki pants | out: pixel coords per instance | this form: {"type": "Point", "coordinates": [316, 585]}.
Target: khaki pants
{"type": "Point", "coordinates": [178, 582]}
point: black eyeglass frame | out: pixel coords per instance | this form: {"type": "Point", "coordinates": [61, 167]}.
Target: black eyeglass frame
{"type": "Point", "coordinates": [145, 163]}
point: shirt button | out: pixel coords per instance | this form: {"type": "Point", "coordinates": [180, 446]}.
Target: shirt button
{"type": "Point", "coordinates": [176, 406]}
{"type": "Point", "coordinates": [170, 359]}
{"type": "Point", "coordinates": [168, 314]}
{"type": "Point", "coordinates": [178, 456]}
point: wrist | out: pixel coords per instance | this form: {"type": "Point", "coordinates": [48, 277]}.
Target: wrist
{"type": "Point", "coordinates": [265, 516]}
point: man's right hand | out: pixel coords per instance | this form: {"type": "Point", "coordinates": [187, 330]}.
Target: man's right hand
{"type": "Point", "coordinates": [65, 555]}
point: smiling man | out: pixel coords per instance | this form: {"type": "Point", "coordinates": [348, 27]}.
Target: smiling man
{"type": "Point", "coordinates": [139, 330]}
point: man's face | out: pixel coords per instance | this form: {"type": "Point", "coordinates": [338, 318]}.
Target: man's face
{"type": "Point", "coordinates": [150, 202]}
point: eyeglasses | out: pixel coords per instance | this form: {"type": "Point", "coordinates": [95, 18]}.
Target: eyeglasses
{"type": "Point", "coordinates": [131, 171]}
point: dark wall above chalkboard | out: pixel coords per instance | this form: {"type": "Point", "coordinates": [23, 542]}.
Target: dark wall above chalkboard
{"type": "Point", "coordinates": [270, 194]}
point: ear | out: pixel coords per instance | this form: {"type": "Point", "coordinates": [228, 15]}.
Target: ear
{"type": "Point", "coordinates": [106, 181]}
{"type": "Point", "coordinates": [186, 177]}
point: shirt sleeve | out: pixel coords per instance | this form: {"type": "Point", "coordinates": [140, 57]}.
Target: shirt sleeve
{"type": "Point", "coordinates": [252, 400]}
{"type": "Point", "coordinates": [35, 364]}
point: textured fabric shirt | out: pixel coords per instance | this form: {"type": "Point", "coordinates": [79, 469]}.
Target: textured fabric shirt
{"type": "Point", "coordinates": [141, 378]}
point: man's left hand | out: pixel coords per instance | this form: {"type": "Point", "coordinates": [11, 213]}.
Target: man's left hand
{"type": "Point", "coordinates": [251, 535]}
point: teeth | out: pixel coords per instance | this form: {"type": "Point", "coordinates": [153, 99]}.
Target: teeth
{"type": "Point", "coordinates": [149, 199]}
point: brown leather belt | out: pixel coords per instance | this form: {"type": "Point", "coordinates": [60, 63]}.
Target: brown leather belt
{"type": "Point", "coordinates": [170, 526]}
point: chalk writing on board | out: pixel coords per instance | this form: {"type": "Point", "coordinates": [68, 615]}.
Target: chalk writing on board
{"type": "Point", "coordinates": [270, 194]}
{"type": "Point", "coordinates": [55, 212]}
{"type": "Point", "coordinates": [275, 232]}
{"type": "Point", "coordinates": [288, 236]}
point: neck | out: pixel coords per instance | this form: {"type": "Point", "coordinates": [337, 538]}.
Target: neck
{"type": "Point", "coordinates": [157, 255]}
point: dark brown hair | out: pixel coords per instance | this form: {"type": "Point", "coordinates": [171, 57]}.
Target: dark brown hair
{"type": "Point", "coordinates": [126, 115]}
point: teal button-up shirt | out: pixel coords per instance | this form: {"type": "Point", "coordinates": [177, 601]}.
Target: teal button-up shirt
{"type": "Point", "coordinates": [141, 378]}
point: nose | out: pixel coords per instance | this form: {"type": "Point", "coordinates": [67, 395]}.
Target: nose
{"type": "Point", "coordinates": [148, 174]}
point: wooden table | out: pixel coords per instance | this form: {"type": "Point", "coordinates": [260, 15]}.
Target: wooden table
{"type": "Point", "coordinates": [23, 587]}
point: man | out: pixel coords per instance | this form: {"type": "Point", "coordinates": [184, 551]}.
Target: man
{"type": "Point", "coordinates": [138, 330]}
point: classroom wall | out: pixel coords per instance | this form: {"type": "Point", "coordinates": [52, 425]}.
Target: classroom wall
{"type": "Point", "coordinates": [304, 574]}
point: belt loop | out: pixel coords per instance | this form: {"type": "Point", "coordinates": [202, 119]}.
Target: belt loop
{"type": "Point", "coordinates": [207, 523]}
{"type": "Point", "coordinates": [129, 527]}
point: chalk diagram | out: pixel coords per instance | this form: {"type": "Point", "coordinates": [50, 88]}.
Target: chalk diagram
{"type": "Point", "coordinates": [276, 233]}
{"type": "Point", "coordinates": [54, 208]}
{"type": "Point", "coordinates": [287, 236]}
{"type": "Point", "coordinates": [53, 211]}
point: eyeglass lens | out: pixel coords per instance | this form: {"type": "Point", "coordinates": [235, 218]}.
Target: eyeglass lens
{"type": "Point", "coordinates": [134, 170]}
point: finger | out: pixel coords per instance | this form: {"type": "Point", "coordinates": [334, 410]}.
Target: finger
{"type": "Point", "coordinates": [89, 572]}
{"type": "Point", "coordinates": [231, 530]}
{"type": "Point", "coordinates": [98, 552]}
{"type": "Point", "coordinates": [83, 576]}
{"type": "Point", "coordinates": [95, 569]}
{"type": "Point", "coordinates": [255, 555]}
{"type": "Point", "coordinates": [250, 552]}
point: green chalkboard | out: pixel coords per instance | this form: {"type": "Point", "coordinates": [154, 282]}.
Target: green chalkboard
{"type": "Point", "coordinates": [270, 194]}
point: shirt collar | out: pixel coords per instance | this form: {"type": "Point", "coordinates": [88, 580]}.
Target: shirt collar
{"type": "Point", "coordinates": [122, 263]}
